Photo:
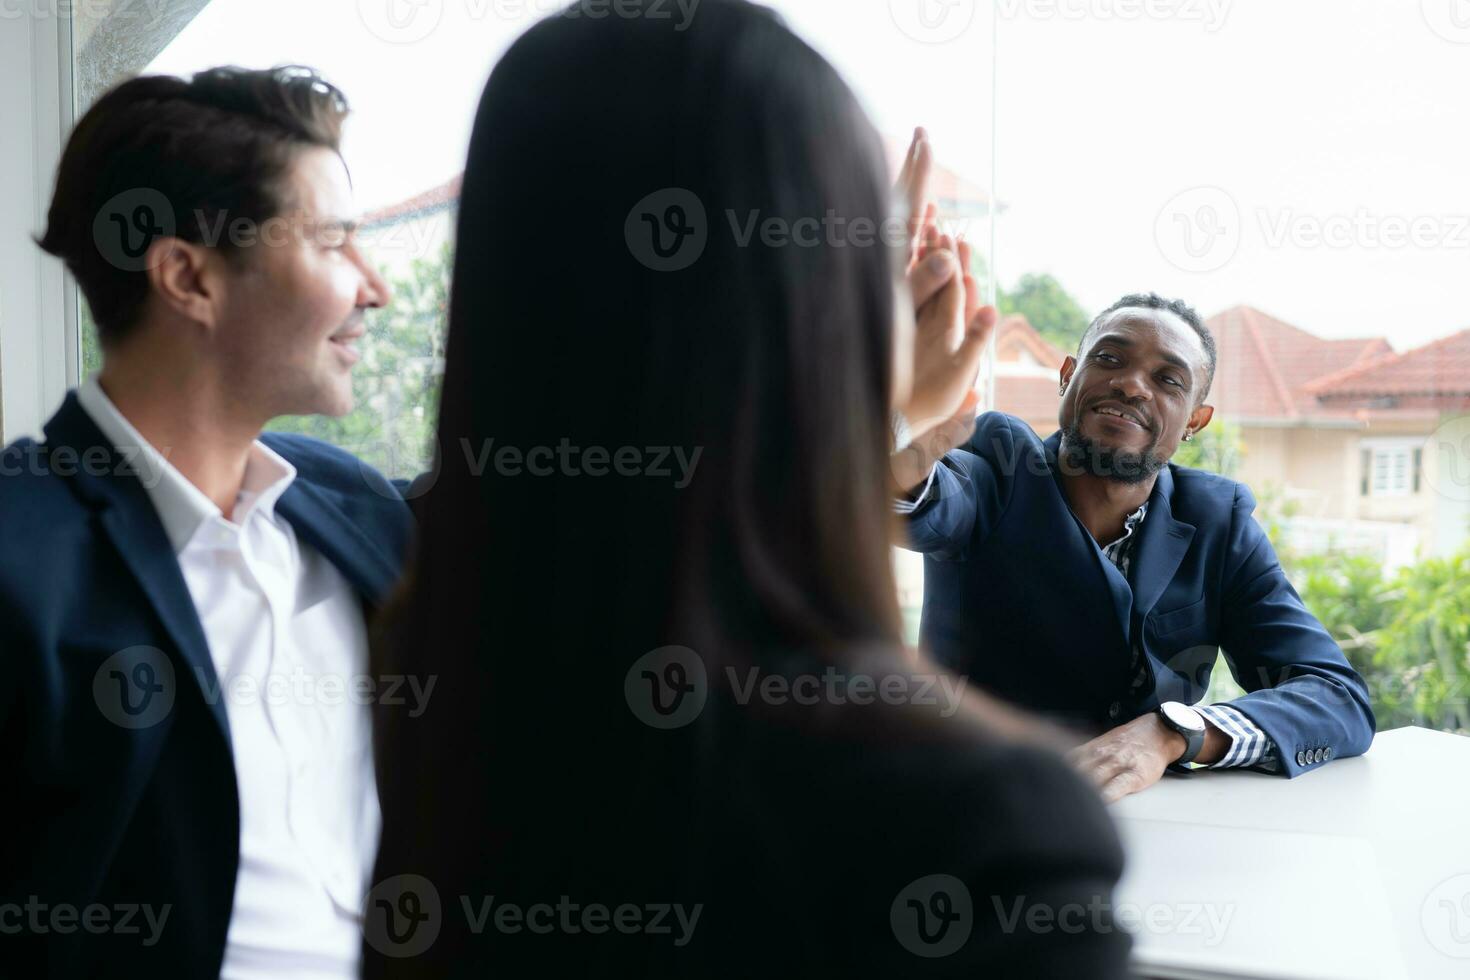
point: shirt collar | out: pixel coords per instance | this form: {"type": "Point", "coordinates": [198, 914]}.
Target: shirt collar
{"type": "Point", "coordinates": [182, 507]}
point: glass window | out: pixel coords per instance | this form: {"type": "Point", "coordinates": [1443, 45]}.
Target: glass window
{"type": "Point", "coordinates": [1390, 471]}
{"type": "Point", "coordinates": [1289, 170]}
{"type": "Point", "coordinates": [414, 72]}
{"type": "Point", "coordinates": [1393, 468]}
{"type": "Point", "coordinates": [1306, 207]}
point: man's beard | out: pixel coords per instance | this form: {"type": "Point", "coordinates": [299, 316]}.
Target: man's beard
{"type": "Point", "coordinates": [1089, 456]}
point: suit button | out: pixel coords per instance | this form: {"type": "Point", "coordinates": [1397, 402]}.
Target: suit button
{"type": "Point", "coordinates": [1301, 758]}
{"type": "Point", "coordinates": [1114, 709]}
{"type": "Point", "coordinates": [1321, 754]}
{"type": "Point", "coordinates": [1327, 752]}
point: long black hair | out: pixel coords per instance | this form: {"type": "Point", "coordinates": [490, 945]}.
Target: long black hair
{"type": "Point", "coordinates": [546, 567]}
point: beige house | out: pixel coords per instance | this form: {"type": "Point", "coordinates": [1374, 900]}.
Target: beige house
{"type": "Point", "coordinates": [1354, 435]}
{"type": "Point", "coordinates": [1026, 374]}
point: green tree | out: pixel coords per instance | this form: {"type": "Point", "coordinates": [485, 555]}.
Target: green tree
{"type": "Point", "coordinates": [1053, 311]}
{"type": "Point", "coordinates": [1217, 448]}
{"type": "Point", "coordinates": [1425, 648]}
{"type": "Point", "coordinates": [1408, 634]}
{"type": "Point", "coordinates": [91, 350]}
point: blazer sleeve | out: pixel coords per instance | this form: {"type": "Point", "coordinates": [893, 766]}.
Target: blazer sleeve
{"type": "Point", "coordinates": [965, 500]}
{"type": "Point", "coordinates": [1303, 693]}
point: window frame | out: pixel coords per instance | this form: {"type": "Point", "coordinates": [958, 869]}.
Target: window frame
{"type": "Point", "coordinates": [40, 345]}
{"type": "Point", "coordinates": [1381, 457]}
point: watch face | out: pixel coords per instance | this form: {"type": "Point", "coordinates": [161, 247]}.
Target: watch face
{"type": "Point", "coordinates": [1183, 715]}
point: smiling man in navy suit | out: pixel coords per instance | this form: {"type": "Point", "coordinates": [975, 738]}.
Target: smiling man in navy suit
{"type": "Point", "coordinates": [1087, 577]}
{"type": "Point", "coordinates": [183, 600]}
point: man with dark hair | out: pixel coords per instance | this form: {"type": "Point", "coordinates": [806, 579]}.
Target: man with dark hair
{"type": "Point", "coordinates": [1087, 577]}
{"type": "Point", "coordinates": [183, 600]}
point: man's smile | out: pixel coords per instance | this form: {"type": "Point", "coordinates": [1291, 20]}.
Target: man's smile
{"type": "Point", "coordinates": [1123, 412]}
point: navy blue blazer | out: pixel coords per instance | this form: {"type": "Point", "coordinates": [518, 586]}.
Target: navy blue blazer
{"type": "Point", "coordinates": [1020, 598]}
{"type": "Point", "coordinates": [108, 811]}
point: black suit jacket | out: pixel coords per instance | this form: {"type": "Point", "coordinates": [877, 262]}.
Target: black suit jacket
{"type": "Point", "coordinates": [862, 845]}
{"type": "Point", "coordinates": [119, 800]}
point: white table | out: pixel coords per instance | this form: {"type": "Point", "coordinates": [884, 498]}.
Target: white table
{"type": "Point", "coordinates": [1359, 869]}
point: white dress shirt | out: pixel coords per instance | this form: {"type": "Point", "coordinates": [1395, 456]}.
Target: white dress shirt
{"type": "Point", "coordinates": [288, 641]}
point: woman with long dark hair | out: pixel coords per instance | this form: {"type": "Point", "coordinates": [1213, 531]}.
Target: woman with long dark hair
{"type": "Point", "coordinates": [674, 731]}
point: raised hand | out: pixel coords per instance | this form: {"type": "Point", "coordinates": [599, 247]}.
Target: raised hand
{"type": "Point", "coordinates": [913, 189]}
{"type": "Point", "coordinates": [951, 326]}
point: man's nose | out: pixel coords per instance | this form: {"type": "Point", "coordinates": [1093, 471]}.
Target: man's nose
{"type": "Point", "coordinates": [375, 292]}
{"type": "Point", "coordinates": [1132, 387]}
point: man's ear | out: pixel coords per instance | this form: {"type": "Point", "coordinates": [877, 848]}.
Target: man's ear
{"type": "Point", "coordinates": [180, 278]}
{"type": "Point", "coordinates": [1200, 418]}
{"type": "Point", "coordinates": [1069, 367]}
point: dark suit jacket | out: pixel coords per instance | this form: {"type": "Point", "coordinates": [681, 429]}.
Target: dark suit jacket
{"type": "Point", "coordinates": [1019, 597]}
{"type": "Point", "coordinates": [835, 849]}
{"type": "Point", "coordinates": [112, 804]}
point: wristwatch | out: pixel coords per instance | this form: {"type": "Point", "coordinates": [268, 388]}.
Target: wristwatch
{"type": "Point", "coordinates": [1187, 722]}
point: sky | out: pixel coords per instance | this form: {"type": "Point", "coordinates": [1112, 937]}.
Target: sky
{"type": "Point", "coordinates": [1310, 158]}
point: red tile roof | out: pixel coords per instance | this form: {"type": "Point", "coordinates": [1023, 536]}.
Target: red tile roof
{"type": "Point", "coordinates": [1023, 389]}
{"type": "Point", "coordinates": [1438, 370]}
{"type": "Point", "coordinates": [1015, 334]}
{"type": "Point", "coordinates": [434, 199]}
{"type": "Point", "coordinates": [1265, 364]}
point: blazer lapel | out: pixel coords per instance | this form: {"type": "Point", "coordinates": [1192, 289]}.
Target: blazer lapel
{"type": "Point", "coordinates": [1162, 544]}
{"type": "Point", "coordinates": [321, 520]}
{"type": "Point", "coordinates": [128, 517]}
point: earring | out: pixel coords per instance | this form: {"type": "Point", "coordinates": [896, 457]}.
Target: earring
{"type": "Point", "coordinates": [1063, 390]}
{"type": "Point", "coordinates": [1188, 436]}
